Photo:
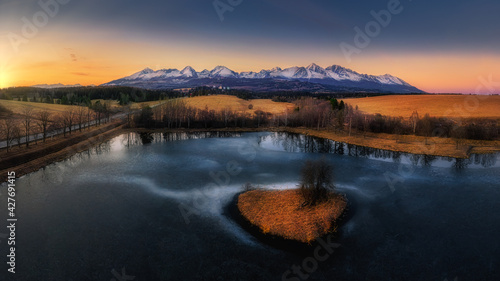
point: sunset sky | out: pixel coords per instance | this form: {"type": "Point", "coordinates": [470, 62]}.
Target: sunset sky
{"type": "Point", "coordinates": [440, 46]}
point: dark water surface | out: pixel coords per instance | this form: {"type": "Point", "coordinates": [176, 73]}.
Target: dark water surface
{"type": "Point", "coordinates": [151, 207]}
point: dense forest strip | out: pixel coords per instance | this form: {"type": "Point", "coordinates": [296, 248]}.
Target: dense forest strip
{"type": "Point", "coordinates": [28, 161]}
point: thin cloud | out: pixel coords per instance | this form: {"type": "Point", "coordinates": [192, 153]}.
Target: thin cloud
{"type": "Point", "coordinates": [80, 73]}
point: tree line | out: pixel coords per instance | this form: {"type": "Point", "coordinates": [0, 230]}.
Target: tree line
{"type": "Point", "coordinates": [178, 114]}
{"type": "Point", "coordinates": [320, 114]}
{"type": "Point", "coordinates": [317, 113]}
{"type": "Point", "coordinates": [83, 95]}
{"type": "Point", "coordinates": [15, 127]}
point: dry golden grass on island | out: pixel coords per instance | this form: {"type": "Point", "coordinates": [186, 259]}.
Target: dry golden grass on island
{"type": "Point", "coordinates": [280, 213]}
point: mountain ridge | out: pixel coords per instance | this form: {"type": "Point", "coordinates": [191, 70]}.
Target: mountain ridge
{"type": "Point", "coordinates": [331, 78]}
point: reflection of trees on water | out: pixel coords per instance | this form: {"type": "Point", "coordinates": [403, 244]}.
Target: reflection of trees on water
{"type": "Point", "coordinates": [143, 138]}
{"type": "Point", "coordinates": [292, 142]}
{"type": "Point", "coordinates": [428, 159]}
{"type": "Point", "coordinates": [396, 156]}
{"type": "Point", "coordinates": [485, 160]}
{"type": "Point", "coordinates": [146, 138]}
{"type": "Point", "coordinates": [131, 139]}
{"type": "Point", "coordinates": [101, 148]}
{"type": "Point", "coordinates": [414, 159]}
{"type": "Point", "coordinates": [461, 163]}
{"type": "Point", "coordinates": [178, 136]}
{"type": "Point", "coordinates": [305, 144]}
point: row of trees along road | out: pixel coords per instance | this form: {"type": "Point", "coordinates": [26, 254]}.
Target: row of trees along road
{"type": "Point", "coordinates": [15, 127]}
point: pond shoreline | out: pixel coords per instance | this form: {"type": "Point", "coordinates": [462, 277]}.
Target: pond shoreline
{"type": "Point", "coordinates": [43, 155]}
{"type": "Point", "coordinates": [442, 147]}
{"type": "Point", "coordinates": [231, 211]}
{"type": "Point", "coordinates": [83, 141]}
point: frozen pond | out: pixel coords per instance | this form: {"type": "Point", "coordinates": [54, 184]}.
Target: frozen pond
{"type": "Point", "coordinates": [152, 206]}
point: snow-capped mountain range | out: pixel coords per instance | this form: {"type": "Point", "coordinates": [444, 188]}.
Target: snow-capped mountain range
{"type": "Point", "coordinates": [312, 77]}
{"type": "Point", "coordinates": [56, 86]}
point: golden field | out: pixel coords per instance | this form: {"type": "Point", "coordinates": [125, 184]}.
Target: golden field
{"type": "Point", "coordinates": [221, 102]}
{"type": "Point", "coordinates": [17, 107]}
{"type": "Point", "coordinates": [279, 212]}
{"type": "Point", "coordinates": [451, 106]}
{"type": "Point", "coordinates": [115, 105]}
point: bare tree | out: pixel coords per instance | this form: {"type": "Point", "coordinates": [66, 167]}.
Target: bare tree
{"type": "Point", "coordinates": [425, 127]}
{"type": "Point", "coordinates": [259, 115]}
{"type": "Point", "coordinates": [80, 116]}
{"type": "Point", "coordinates": [44, 118]}
{"type": "Point", "coordinates": [316, 181]}
{"type": "Point", "coordinates": [226, 112]}
{"type": "Point", "coordinates": [128, 111]}
{"type": "Point", "coordinates": [458, 132]}
{"type": "Point", "coordinates": [8, 128]}
{"type": "Point", "coordinates": [107, 110]}
{"type": "Point", "coordinates": [88, 117]}
{"type": "Point", "coordinates": [68, 118]}
{"type": "Point", "coordinates": [27, 121]}
{"type": "Point", "coordinates": [414, 120]}
{"type": "Point", "coordinates": [17, 133]}
{"type": "Point", "coordinates": [60, 123]}
{"type": "Point", "coordinates": [95, 115]}
{"type": "Point", "coordinates": [285, 117]}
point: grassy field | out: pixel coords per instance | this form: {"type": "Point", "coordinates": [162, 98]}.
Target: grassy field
{"type": "Point", "coordinates": [140, 105]}
{"type": "Point", "coordinates": [279, 212]}
{"type": "Point", "coordinates": [221, 102]}
{"type": "Point", "coordinates": [115, 105]}
{"type": "Point", "coordinates": [452, 106]}
{"type": "Point", "coordinates": [17, 107]}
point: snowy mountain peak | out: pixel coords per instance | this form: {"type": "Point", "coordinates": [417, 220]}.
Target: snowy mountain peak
{"type": "Point", "coordinates": [338, 69]}
{"type": "Point", "coordinates": [316, 72]}
{"type": "Point", "coordinates": [188, 71]}
{"type": "Point", "coordinates": [332, 76]}
{"type": "Point", "coordinates": [314, 67]}
{"type": "Point", "coordinates": [141, 73]}
{"type": "Point", "coordinates": [222, 71]}
{"type": "Point", "coordinates": [58, 85]}
{"type": "Point", "coordinates": [389, 79]}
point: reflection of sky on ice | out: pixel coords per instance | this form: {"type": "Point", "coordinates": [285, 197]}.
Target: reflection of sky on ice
{"type": "Point", "coordinates": [120, 201]}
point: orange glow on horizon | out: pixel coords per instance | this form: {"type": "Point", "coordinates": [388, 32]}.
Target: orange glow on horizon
{"type": "Point", "coordinates": [84, 62]}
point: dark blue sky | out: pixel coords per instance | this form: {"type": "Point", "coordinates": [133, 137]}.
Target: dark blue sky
{"type": "Point", "coordinates": [423, 25]}
{"type": "Point", "coordinates": [428, 25]}
{"type": "Point", "coordinates": [279, 32]}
